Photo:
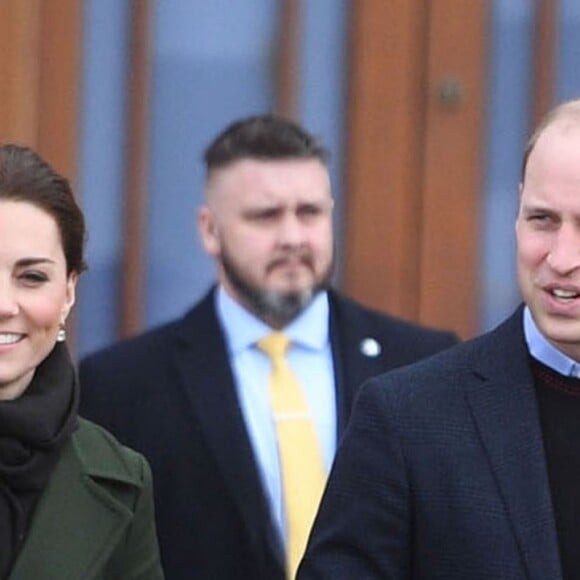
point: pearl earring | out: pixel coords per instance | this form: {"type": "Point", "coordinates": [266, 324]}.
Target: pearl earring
{"type": "Point", "coordinates": [61, 335]}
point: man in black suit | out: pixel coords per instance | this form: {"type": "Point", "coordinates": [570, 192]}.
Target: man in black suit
{"type": "Point", "coordinates": [468, 465]}
{"type": "Point", "coordinates": [193, 394]}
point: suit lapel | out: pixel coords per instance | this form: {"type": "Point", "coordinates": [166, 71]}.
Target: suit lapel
{"type": "Point", "coordinates": [352, 363]}
{"type": "Point", "coordinates": [503, 403]}
{"type": "Point", "coordinates": [207, 377]}
{"type": "Point", "coordinates": [71, 501]}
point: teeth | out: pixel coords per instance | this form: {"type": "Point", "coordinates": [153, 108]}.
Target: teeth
{"type": "Point", "coordinates": [559, 293]}
{"type": "Point", "coordinates": [9, 338]}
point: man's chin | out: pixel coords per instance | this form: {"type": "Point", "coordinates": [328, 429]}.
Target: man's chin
{"type": "Point", "coordinates": [291, 290]}
{"type": "Point", "coordinates": [280, 298]}
{"type": "Point", "coordinates": [294, 295]}
{"type": "Point", "coordinates": [281, 307]}
{"type": "Point", "coordinates": [564, 333]}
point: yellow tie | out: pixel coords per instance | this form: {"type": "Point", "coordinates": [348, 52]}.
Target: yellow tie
{"type": "Point", "coordinates": [303, 474]}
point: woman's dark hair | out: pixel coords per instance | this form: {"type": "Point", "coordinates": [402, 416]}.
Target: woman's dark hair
{"type": "Point", "coordinates": [26, 177]}
{"type": "Point", "coordinates": [265, 138]}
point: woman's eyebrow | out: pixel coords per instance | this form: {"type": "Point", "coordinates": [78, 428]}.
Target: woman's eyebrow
{"type": "Point", "coordinates": [34, 261]}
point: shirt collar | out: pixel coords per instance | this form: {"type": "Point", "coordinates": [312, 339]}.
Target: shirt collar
{"type": "Point", "coordinates": [243, 329]}
{"type": "Point", "coordinates": [545, 352]}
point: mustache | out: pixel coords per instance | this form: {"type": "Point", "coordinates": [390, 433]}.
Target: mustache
{"type": "Point", "coordinates": [305, 258]}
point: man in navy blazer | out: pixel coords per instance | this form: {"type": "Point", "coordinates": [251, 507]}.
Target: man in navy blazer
{"type": "Point", "coordinates": [188, 394]}
{"type": "Point", "coordinates": [467, 465]}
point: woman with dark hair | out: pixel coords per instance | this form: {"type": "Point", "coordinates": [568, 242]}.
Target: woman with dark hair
{"type": "Point", "coordinates": [74, 503]}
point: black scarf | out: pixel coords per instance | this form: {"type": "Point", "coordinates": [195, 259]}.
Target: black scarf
{"type": "Point", "coordinates": [33, 430]}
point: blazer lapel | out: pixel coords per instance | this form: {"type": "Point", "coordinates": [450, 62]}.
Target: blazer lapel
{"type": "Point", "coordinates": [358, 353]}
{"type": "Point", "coordinates": [207, 377]}
{"type": "Point", "coordinates": [70, 501]}
{"type": "Point", "coordinates": [503, 403]}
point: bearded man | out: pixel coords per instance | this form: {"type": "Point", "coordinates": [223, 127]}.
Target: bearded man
{"type": "Point", "coordinates": [195, 396]}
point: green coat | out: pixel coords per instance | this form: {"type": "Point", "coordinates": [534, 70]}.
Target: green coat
{"type": "Point", "coordinates": [95, 519]}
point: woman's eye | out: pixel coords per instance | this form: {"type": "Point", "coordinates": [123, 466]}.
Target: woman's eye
{"type": "Point", "coordinates": [33, 278]}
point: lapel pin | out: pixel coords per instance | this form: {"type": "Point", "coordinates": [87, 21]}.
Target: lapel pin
{"type": "Point", "coordinates": [370, 347]}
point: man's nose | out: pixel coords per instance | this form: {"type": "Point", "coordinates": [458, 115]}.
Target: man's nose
{"type": "Point", "coordinates": [564, 255]}
{"type": "Point", "coordinates": [291, 231]}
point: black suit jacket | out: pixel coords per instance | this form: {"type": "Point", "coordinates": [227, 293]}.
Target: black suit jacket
{"type": "Point", "coordinates": [442, 474]}
{"type": "Point", "coordinates": [170, 394]}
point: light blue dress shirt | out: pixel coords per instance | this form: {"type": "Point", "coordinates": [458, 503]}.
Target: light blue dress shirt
{"type": "Point", "coordinates": [309, 356]}
{"type": "Point", "coordinates": [545, 352]}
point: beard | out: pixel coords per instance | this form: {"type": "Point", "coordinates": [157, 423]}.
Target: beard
{"type": "Point", "coordinates": [273, 307]}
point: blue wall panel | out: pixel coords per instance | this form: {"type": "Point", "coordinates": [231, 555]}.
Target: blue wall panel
{"type": "Point", "coordinates": [508, 113]}
{"type": "Point", "coordinates": [101, 171]}
{"type": "Point", "coordinates": [568, 51]}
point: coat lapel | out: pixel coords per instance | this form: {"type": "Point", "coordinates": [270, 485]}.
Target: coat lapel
{"type": "Point", "coordinates": [503, 404]}
{"type": "Point", "coordinates": [70, 501]}
{"type": "Point", "coordinates": [358, 353]}
{"type": "Point", "coordinates": [209, 383]}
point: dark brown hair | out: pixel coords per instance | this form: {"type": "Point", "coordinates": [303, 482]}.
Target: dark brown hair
{"type": "Point", "coordinates": [26, 177]}
{"type": "Point", "coordinates": [263, 137]}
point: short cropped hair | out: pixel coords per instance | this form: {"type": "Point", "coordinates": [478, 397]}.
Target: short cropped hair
{"type": "Point", "coordinates": [263, 137]}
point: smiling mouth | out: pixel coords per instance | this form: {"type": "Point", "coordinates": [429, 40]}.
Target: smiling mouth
{"type": "Point", "coordinates": [9, 338]}
{"type": "Point", "coordinates": [563, 295]}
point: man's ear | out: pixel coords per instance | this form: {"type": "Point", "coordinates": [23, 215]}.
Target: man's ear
{"type": "Point", "coordinates": [208, 231]}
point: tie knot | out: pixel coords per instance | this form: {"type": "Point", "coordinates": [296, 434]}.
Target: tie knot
{"type": "Point", "coordinates": [274, 345]}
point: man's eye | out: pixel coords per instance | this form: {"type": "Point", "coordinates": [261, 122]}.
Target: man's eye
{"type": "Point", "coordinates": [263, 216]}
{"type": "Point", "coordinates": [540, 218]}
{"type": "Point", "coordinates": [309, 211]}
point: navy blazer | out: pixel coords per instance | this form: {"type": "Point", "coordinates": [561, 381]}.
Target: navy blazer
{"type": "Point", "coordinates": [442, 474]}
{"type": "Point", "coordinates": [170, 394]}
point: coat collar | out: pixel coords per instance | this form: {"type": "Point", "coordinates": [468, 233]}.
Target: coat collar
{"type": "Point", "coordinates": [504, 408]}
{"type": "Point", "coordinates": [77, 493]}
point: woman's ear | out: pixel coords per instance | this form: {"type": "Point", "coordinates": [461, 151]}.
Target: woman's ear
{"type": "Point", "coordinates": [70, 298]}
